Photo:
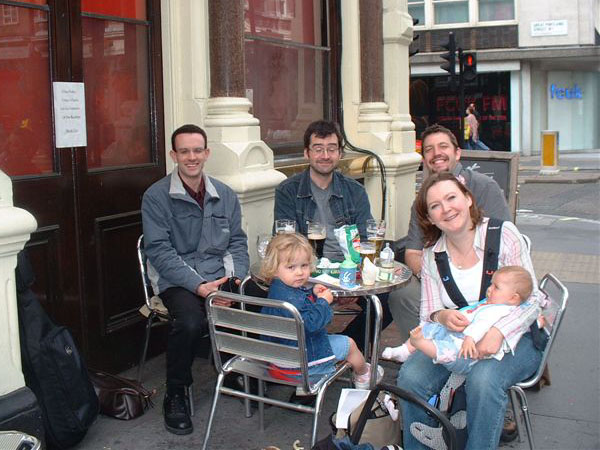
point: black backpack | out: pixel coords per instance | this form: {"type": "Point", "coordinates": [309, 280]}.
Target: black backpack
{"type": "Point", "coordinates": [53, 368]}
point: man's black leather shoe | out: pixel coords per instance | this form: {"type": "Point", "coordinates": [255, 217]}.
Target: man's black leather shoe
{"type": "Point", "coordinates": [176, 413]}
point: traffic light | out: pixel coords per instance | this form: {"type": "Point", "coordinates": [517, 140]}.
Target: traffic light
{"type": "Point", "coordinates": [450, 57]}
{"type": "Point", "coordinates": [469, 66]}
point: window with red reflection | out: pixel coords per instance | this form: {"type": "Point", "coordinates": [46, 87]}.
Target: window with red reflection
{"type": "Point", "coordinates": [127, 9]}
{"type": "Point", "coordinates": [25, 104]}
{"type": "Point", "coordinates": [116, 76]}
{"type": "Point", "coordinates": [286, 63]}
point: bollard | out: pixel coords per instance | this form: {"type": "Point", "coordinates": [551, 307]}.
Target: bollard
{"type": "Point", "coordinates": [549, 153]}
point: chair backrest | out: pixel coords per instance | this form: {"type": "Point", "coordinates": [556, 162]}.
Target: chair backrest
{"type": "Point", "coordinates": [144, 275]}
{"type": "Point", "coordinates": [237, 332]}
{"type": "Point", "coordinates": [557, 296]}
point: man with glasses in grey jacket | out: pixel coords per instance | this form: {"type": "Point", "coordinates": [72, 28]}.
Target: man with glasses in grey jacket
{"type": "Point", "coordinates": [195, 244]}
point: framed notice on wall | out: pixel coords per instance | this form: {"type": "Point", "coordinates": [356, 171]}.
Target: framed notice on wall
{"type": "Point", "coordinates": [501, 166]}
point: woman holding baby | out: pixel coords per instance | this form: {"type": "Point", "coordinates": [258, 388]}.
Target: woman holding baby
{"type": "Point", "coordinates": [453, 225]}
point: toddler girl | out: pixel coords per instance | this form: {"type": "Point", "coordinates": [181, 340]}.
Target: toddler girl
{"type": "Point", "coordinates": [287, 266]}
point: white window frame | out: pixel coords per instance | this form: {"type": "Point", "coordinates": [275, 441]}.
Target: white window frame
{"type": "Point", "coordinates": [471, 23]}
{"type": "Point", "coordinates": [10, 15]}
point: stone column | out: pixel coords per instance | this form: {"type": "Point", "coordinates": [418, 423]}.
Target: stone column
{"type": "Point", "coordinates": [16, 225]}
{"type": "Point", "coordinates": [203, 73]}
{"type": "Point", "coordinates": [373, 118]}
{"type": "Point", "coordinates": [402, 161]}
{"type": "Point", "coordinates": [384, 124]}
{"type": "Point", "coordinates": [239, 157]}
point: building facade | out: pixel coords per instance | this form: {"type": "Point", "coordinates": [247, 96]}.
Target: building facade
{"type": "Point", "coordinates": [538, 67]}
{"type": "Point", "coordinates": [253, 73]}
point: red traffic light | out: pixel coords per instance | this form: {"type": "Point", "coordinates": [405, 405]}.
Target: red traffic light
{"type": "Point", "coordinates": [469, 66]}
{"type": "Point", "coordinates": [469, 60]}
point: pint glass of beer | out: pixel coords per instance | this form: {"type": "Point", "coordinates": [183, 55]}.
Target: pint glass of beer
{"type": "Point", "coordinates": [376, 233]}
{"type": "Point", "coordinates": [317, 232]}
{"type": "Point", "coordinates": [367, 250]}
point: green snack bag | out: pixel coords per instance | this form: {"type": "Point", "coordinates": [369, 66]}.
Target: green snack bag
{"type": "Point", "coordinates": [349, 240]}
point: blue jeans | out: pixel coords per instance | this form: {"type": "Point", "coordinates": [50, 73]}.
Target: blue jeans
{"type": "Point", "coordinates": [486, 389]}
{"type": "Point", "coordinates": [472, 144]}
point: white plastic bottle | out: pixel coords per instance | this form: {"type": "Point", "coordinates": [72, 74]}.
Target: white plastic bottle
{"type": "Point", "coordinates": [386, 260]}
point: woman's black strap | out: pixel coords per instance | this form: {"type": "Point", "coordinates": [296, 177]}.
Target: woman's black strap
{"type": "Point", "coordinates": [490, 265]}
{"type": "Point", "coordinates": [443, 266]}
{"type": "Point", "coordinates": [492, 250]}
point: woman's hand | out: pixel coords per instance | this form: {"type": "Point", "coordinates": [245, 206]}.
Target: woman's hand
{"type": "Point", "coordinates": [452, 319]}
{"type": "Point", "coordinates": [490, 343]}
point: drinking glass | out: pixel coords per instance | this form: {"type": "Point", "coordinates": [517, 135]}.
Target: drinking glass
{"type": "Point", "coordinates": [317, 232]}
{"type": "Point", "coordinates": [367, 250]}
{"type": "Point", "coordinates": [285, 226]}
{"type": "Point", "coordinates": [376, 233]}
{"type": "Point", "coordinates": [262, 242]}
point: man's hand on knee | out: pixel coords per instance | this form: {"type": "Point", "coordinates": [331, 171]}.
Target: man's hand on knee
{"type": "Point", "coordinates": [205, 289]}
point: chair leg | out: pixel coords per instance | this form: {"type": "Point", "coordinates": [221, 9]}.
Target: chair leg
{"type": "Point", "coordinates": [518, 392]}
{"type": "Point", "coordinates": [261, 405]}
{"type": "Point", "coordinates": [213, 408]}
{"type": "Point", "coordinates": [317, 415]}
{"type": "Point", "coordinates": [145, 347]}
{"type": "Point", "coordinates": [516, 407]}
{"type": "Point", "coordinates": [247, 407]}
{"type": "Point", "coordinates": [189, 393]}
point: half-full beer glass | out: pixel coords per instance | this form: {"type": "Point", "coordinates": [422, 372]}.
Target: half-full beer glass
{"type": "Point", "coordinates": [317, 232]}
{"type": "Point", "coordinates": [376, 233]}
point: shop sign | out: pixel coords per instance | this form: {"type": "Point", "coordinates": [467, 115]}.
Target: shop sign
{"type": "Point", "coordinates": [549, 28]}
{"type": "Point", "coordinates": [562, 93]}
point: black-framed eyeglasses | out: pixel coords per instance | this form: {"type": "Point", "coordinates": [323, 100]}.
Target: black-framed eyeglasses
{"type": "Point", "coordinates": [321, 149]}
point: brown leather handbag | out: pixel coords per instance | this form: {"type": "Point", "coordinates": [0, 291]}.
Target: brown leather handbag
{"type": "Point", "coordinates": [121, 398]}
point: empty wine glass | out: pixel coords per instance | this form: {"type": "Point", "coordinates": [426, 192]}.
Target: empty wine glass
{"type": "Point", "coordinates": [262, 242]}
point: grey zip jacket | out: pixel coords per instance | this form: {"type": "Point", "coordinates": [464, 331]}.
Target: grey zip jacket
{"type": "Point", "coordinates": [187, 246]}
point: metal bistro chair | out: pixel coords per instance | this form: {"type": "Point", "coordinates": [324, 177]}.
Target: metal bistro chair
{"type": "Point", "coordinates": [156, 314]}
{"type": "Point", "coordinates": [553, 313]}
{"type": "Point", "coordinates": [253, 356]}
{"type": "Point", "coordinates": [16, 440]}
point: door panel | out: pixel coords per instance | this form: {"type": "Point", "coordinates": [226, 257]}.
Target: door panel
{"type": "Point", "coordinates": [122, 159]}
{"type": "Point", "coordinates": [86, 200]}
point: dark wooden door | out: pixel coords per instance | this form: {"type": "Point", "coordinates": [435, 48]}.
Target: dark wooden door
{"type": "Point", "coordinates": [87, 200]}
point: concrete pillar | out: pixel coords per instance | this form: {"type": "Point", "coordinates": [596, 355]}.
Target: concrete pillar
{"type": "Point", "coordinates": [384, 123]}
{"type": "Point", "coordinates": [16, 225]}
{"type": "Point", "coordinates": [239, 157]}
{"type": "Point", "coordinates": [203, 74]}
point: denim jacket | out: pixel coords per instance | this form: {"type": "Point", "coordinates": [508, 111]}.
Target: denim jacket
{"type": "Point", "coordinates": [316, 316]}
{"type": "Point", "coordinates": [349, 202]}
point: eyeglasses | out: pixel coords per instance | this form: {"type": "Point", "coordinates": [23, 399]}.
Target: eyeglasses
{"type": "Point", "coordinates": [321, 150]}
{"type": "Point", "coordinates": [188, 152]}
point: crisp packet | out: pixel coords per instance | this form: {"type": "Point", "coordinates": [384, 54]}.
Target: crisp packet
{"type": "Point", "coordinates": [349, 240]}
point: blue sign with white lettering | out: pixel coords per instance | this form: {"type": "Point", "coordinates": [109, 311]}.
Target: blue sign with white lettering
{"type": "Point", "coordinates": [565, 92]}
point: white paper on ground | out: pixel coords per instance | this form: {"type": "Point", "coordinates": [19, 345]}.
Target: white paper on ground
{"type": "Point", "coordinates": [350, 399]}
